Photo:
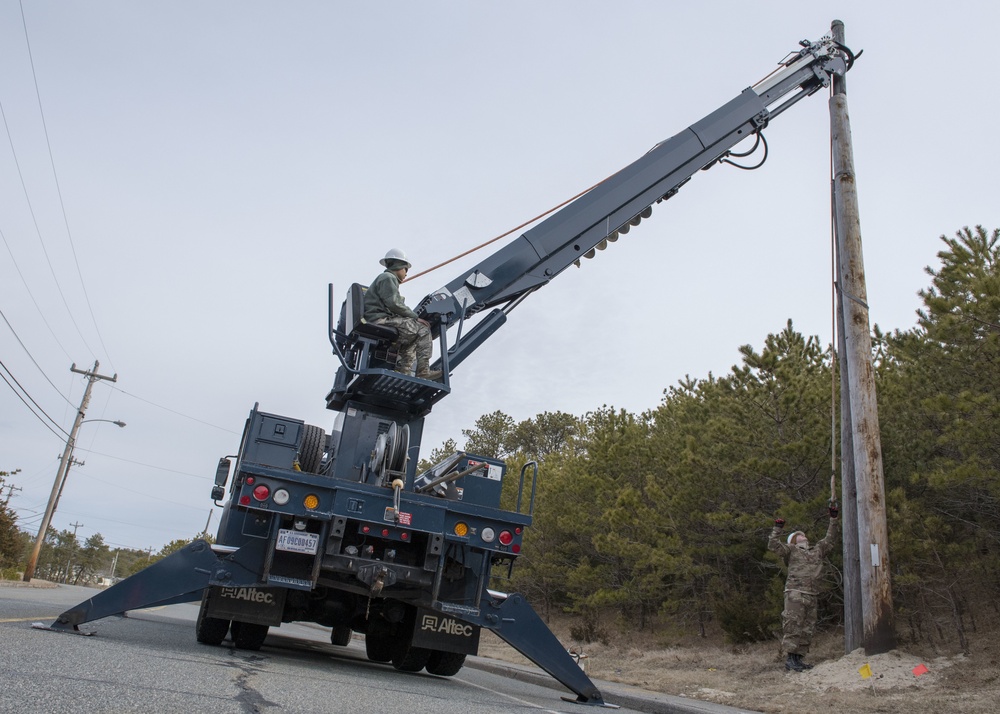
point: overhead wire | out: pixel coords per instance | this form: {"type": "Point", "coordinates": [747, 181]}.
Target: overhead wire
{"type": "Point", "coordinates": [172, 411]}
{"type": "Point", "coordinates": [36, 404]}
{"type": "Point", "coordinates": [41, 240]}
{"type": "Point", "coordinates": [27, 352]}
{"type": "Point", "coordinates": [62, 204]}
{"type": "Point", "coordinates": [11, 252]}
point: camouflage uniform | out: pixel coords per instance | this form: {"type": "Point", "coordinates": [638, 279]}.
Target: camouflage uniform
{"type": "Point", "coordinates": [385, 306]}
{"type": "Point", "coordinates": [805, 572]}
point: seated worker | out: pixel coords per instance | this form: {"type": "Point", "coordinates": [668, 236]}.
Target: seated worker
{"type": "Point", "coordinates": [384, 306]}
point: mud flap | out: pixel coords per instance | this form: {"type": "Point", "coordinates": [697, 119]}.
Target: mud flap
{"type": "Point", "coordinates": [517, 624]}
{"type": "Point", "coordinates": [437, 631]}
{"type": "Point", "coordinates": [258, 606]}
{"type": "Point", "coordinates": [180, 577]}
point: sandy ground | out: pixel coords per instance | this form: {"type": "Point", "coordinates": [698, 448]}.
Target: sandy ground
{"type": "Point", "coordinates": [753, 677]}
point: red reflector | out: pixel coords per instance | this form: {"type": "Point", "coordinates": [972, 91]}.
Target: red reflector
{"type": "Point", "coordinates": [261, 492]}
{"type": "Point", "coordinates": [249, 480]}
{"type": "Point", "coordinates": [366, 529]}
{"type": "Point", "coordinates": [244, 500]}
{"type": "Point", "coordinates": [518, 530]}
{"type": "Point", "coordinates": [404, 536]}
{"type": "Point", "coordinates": [515, 548]}
{"type": "Point", "coordinates": [385, 532]}
{"type": "Point", "coordinates": [505, 537]}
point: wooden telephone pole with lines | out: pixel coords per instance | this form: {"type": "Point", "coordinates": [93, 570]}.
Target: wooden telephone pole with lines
{"type": "Point", "coordinates": [92, 376]}
{"type": "Point", "coordinates": [866, 538]}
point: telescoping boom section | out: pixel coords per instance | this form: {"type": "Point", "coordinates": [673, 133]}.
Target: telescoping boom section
{"type": "Point", "coordinates": [342, 530]}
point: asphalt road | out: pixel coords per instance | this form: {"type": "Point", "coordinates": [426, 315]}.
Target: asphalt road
{"type": "Point", "coordinates": [151, 662]}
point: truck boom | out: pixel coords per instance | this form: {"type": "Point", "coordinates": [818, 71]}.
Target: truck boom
{"type": "Point", "coordinates": [340, 529]}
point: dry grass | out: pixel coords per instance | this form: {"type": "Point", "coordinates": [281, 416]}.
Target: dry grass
{"type": "Point", "coordinates": [753, 676]}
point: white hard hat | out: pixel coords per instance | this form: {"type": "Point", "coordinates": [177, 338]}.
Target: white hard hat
{"type": "Point", "coordinates": [791, 536]}
{"type": "Point", "coordinates": [395, 255]}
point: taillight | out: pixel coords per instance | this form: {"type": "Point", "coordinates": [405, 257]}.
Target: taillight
{"type": "Point", "coordinates": [261, 492]}
{"type": "Point", "coordinates": [505, 537]}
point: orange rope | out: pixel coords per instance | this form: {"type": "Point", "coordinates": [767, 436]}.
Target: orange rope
{"type": "Point", "coordinates": [504, 235]}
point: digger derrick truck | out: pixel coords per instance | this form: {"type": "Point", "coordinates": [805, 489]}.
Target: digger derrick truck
{"type": "Point", "coordinates": [340, 529]}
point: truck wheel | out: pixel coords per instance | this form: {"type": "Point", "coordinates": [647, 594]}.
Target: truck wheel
{"type": "Point", "coordinates": [407, 658]}
{"type": "Point", "coordinates": [313, 445]}
{"type": "Point", "coordinates": [210, 630]}
{"type": "Point", "coordinates": [378, 648]}
{"type": "Point", "coordinates": [341, 635]}
{"type": "Point", "coordinates": [445, 664]}
{"type": "Point", "coordinates": [248, 636]}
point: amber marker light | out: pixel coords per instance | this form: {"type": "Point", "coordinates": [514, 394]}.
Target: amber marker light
{"type": "Point", "coordinates": [311, 501]}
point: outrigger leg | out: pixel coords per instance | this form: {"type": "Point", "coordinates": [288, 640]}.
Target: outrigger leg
{"type": "Point", "coordinates": [517, 624]}
{"type": "Point", "coordinates": [180, 577]}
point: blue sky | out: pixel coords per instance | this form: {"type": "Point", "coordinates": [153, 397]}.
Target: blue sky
{"type": "Point", "coordinates": [182, 180]}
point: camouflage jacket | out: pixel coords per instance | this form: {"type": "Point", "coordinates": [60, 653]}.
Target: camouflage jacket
{"type": "Point", "coordinates": [805, 565]}
{"type": "Point", "coordinates": [382, 299]}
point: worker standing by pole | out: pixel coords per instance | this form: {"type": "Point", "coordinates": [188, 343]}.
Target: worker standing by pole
{"type": "Point", "coordinates": [872, 541]}
{"type": "Point", "coordinates": [92, 376]}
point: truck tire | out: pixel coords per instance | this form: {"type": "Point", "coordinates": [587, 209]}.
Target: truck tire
{"type": "Point", "coordinates": [313, 445]}
{"type": "Point", "coordinates": [407, 658]}
{"type": "Point", "coordinates": [445, 664]}
{"type": "Point", "coordinates": [378, 647]}
{"type": "Point", "coordinates": [248, 636]}
{"type": "Point", "coordinates": [341, 635]}
{"type": "Point", "coordinates": [210, 630]}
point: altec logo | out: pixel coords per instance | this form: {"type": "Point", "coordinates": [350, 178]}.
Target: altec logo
{"type": "Point", "coordinates": [248, 595]}
{"type": "Point", "coordinates": [445, 625]}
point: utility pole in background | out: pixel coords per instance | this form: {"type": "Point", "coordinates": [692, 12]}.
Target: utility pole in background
{"type": "Point", "coordinates": [860, 428]}
{"type": "Point", "coordinates": [69, 560]}
{"type": "Point", "coordinates": [92, 376]}
{"type": "Point", "coordinates": [10, 492]}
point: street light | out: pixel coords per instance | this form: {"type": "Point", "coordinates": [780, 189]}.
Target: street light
{"type": "Point", "coordinates": [57, 487]}
{"type": "Point", "coordinates": [119, 424]}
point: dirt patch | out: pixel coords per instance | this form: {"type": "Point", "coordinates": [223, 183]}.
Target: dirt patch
{"type": "Point", "coordinates": [753, 676]}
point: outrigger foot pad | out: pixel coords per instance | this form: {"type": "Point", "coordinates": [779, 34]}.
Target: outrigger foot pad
{"type": "Point", "coordinates": [591, 702]}
{"type": "Point", "coordinates": [58, 626]}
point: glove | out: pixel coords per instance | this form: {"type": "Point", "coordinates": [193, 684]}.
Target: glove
{"type": "Point", "coordinates": [834, 511]}
{"type": "Point", "coordinates": [779, 522]}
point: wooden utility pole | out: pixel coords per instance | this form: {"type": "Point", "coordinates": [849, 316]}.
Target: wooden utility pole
{"type": "Point", "coordinates": [92, 376]}
{"type": "Point", "coordinates": [878, 633]}
{"type": "Point", "coordinates": [853, 625]}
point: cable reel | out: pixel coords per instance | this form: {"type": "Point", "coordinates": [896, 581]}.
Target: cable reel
{"type": "Point", "coordinates": [388, 459]}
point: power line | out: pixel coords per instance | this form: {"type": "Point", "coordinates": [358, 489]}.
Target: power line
{"type": "Point", "coordinates": [139, 463]}
{"type": "Point", "coordinates": [18, 338]}
{"type": "Point", "coordinates": [41, 241]}
{"type": "Point", "coordinates": [62, 205]}
{"type": "Point", "coordinates": [65, 433]}
{"type": "Point", "coordinates": [21, 275]}
{"type": "Point", "coordinates": [167, 409]}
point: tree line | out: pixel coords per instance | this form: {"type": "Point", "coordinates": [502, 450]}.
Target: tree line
{"type": "Point", "coordinates": [64, 558]}
{"type": "Point", "coordinates": [660, 520]}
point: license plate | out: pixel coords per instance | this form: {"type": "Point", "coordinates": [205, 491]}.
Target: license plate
{"type": "Point", "coordinates": [297, 542]}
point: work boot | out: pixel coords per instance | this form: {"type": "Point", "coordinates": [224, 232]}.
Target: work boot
{"type": "Point", "coordinates": [432, 375]}
{"type": "Point", "coordinates": [794, 663]}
